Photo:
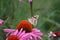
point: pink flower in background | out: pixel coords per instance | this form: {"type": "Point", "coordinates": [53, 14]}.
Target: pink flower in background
{"type": "Point", "coordinates": [54, 34]}
{"type": "Point", "coordinates": [57, 33]}
{"type": "Point", "coordinates": [1, 21]}
{"type": "Point", "coordinates": [51, 35]}
{"type": "Point", "coordinates": [22, 0]}
{"type": "Point", "coordinates": [30, 0]}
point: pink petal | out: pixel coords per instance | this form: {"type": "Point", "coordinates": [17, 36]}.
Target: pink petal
{"type": "Point", "coordinates": [37, 32]}
{"type": "Point", "coordinates": [35, 38]}
{"type": "Point", "coordinates": [6, 38]}
{"type": "Point", "coordinates": [9, 30]}
{"type": "Point", "coordinates": [20, 31]}
{"type": "Point", "coordinates": [22, 34]}
{"type": "Point", "coordinates": [14, 33]}
{"type": "Point", "coordinates": [7, 34]}
{"type": "Point", "coordinates": [26, 35]}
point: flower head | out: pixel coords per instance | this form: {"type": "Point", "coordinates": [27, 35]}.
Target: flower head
{"type": "Point", "coordinates": [34, 32]}
{"type": "Point", "coordinates": [1, 21]}
{"type": "Point", "coordinates": [25, 25]}
{"type": "Point", "coordinates": [24, 32]}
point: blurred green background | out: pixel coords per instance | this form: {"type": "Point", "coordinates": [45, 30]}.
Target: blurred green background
{"type": "Point", "coordinates": [13, 11]}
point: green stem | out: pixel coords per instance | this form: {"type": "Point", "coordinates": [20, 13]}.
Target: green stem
{"type": "Point", "coordinates": [31, 9]}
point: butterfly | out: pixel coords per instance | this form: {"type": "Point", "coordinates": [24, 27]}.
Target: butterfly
{"type": "Point", "coordinates": [33, 20]}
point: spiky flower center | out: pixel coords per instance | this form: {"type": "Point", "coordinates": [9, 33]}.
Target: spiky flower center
{"type": "Point", "coordinates": [13, 37]}
{"type": "Point", "coordinates": [25, 25]}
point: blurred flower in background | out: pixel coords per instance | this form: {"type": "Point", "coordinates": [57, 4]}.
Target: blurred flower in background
{"type": "Point", "coordinates": [22, 0]}
{"type": "Point", "coordinates": [30, 0]}
{"type": "Point", "coordinates": [54, 34]}
{"type": "Point", "coordinates": [1, 21]}
{"type": "Point", "coordinates": [51, 34]}
{"type": "Point", "coordinates": [57, 33]}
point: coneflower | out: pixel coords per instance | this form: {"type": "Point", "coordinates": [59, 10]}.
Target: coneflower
{"type": "Point", "coordinates": [30, 32]}
{"type": "Point", "coordinates": [36, 33]}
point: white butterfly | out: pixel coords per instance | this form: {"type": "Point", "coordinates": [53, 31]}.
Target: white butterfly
{"type": "Point", "coordinates": [33, 20]}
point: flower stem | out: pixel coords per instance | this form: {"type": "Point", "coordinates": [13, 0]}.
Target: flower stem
{"type": "Point", "coordinates": [31, 9]}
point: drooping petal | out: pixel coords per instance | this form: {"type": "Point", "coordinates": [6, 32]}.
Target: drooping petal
{"type": "Point", "coordinates": [14, 33]}
{"type": "Point", "coordinates": [22, 34]}
{"type": "Point", "coordinates": [8, 30]}
{"type": "Point", "coordinates": [26, 35]}
{"type": "Point", "coordinates": [37, 32]}
{"type": "Point", "coordinates": [7, 34]}
{"type": "Point", "coordinates": [35, 38]}
{"type": "Point", "coordinates": [20, 31]}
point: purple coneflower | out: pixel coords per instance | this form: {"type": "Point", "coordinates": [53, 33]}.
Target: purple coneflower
{"type": "Point", "coordinates": [25, 32]}
{"type": "Point", "coordinates": [36, 33]}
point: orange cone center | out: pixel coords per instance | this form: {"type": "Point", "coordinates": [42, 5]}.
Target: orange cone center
{"type": "Point", "coordinates": [25, 25]}
{"type": "Point", "coordinates": [13, 37]}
